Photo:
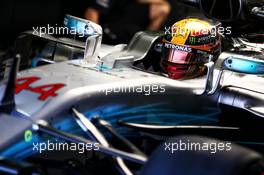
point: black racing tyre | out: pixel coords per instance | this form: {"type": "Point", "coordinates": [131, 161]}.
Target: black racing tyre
{"type": "Point", "coordinates": [199, 157]}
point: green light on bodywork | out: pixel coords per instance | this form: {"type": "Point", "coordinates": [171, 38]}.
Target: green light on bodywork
{"type": "Point", "coordinates": [28, 135]}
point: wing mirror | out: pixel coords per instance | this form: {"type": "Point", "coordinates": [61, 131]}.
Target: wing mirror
{"type": "Point", "coordinates": [89, 29]}
{"type": "Point", "coordinates": [238, 62]}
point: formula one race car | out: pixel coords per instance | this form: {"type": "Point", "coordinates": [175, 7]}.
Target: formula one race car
{"type": "Point", "coordinates": [79, 107]}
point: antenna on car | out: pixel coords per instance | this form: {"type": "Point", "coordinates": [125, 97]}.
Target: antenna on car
{"type": "Point", "coordinates": [7, 102]}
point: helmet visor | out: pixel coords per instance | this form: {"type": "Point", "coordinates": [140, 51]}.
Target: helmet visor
{"type": "Point", "coordinates": [183, 62]}
{"type": "Point", "coordinates": [180, 54]}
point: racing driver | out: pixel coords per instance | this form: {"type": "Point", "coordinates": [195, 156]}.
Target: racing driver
{"type": "Point", "coordinates": [188, 47]}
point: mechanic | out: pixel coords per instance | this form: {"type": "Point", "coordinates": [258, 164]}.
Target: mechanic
{"type": "Point", "coordinates": [121, 19]}
{"type": "Point", "coordinates": [188, 47]}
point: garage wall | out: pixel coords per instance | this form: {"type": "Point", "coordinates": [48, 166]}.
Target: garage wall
{"type": "Point", "coordinates": [20, 15]}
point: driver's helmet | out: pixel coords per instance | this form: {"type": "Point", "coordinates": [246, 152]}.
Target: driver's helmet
{"type": "Point", "coordinates": [188, 47]}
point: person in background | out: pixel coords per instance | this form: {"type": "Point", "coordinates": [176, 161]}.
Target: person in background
{"type": "Point", "coordinates": [121, 19]}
